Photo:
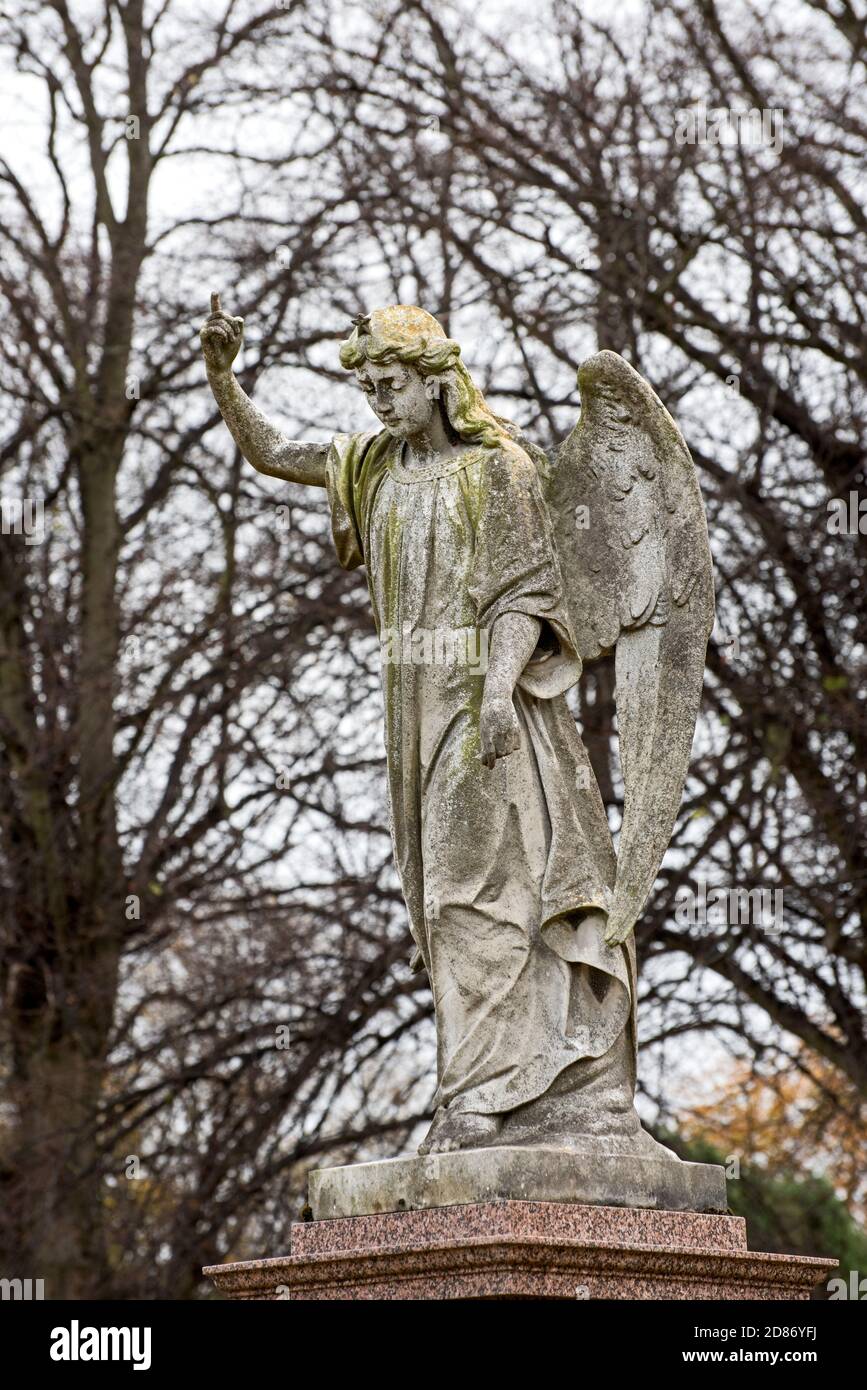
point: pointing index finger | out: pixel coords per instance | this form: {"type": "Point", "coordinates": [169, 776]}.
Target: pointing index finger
{"type": "Point", "coordinates": [215, 303]}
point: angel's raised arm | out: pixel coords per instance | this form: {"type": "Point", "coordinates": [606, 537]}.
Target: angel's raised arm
{"type": "Point", "coordinates": [260, 441]}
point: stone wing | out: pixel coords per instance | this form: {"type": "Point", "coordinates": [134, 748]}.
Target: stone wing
{"type": "Point", "coordinates": [631, 533]}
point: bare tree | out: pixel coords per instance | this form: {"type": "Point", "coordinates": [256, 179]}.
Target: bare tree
{"type": "Point", "coordinates": [204, 948]}
{"type": "Point", "coordinates": [173, 722]}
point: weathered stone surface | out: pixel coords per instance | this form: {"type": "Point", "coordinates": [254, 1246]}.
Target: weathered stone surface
{"type": "Point", "coordinates": [536, 1174]}
{"type": "Point", "coordinates": [539, 1250]}
{"type": "Point", "coordinates": [520, 912]}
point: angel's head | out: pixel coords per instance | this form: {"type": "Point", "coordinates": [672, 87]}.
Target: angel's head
{"type": "Point", "coordinates": [409, 369]}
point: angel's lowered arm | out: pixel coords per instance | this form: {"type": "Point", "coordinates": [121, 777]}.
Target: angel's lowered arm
{"type": "Point", "coordinates": [261, 443]}
{"type": "Point", "coordinates": [513, 641]}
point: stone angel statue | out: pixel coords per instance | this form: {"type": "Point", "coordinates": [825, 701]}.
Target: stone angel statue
{"type": "Point", "coordinates": [521, 913]}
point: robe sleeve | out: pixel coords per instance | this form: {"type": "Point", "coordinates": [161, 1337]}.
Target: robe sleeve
{"type": "Point", "coordinates": [515, 569]}
{"type": "Point", "coordinates": [344, 477]}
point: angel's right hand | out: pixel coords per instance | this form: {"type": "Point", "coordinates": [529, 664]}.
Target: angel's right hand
{"type": "Point", "coordinates": [499, 730]}
{"type": "Point", "coordinates": [221, 337]}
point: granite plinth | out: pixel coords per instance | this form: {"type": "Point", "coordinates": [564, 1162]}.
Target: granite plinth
{"type": "Point", "coordinates": [513, 1249]}
{"type": "Point", "coordinates": [517, 1174]}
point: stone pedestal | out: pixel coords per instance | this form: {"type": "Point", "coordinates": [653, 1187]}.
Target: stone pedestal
{"type": "Point", "coordinates": [547, 1223]}
{"type": "Point", "coordinates": [541, 1174]}
{"type": "Point", "coordinates": [516, 1249]}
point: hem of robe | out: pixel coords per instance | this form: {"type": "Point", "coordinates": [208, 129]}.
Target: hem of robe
{"type": "Point", "coordinates": [586, 948]}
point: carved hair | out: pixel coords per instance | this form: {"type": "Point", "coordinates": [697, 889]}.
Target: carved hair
{"type": "Point", "coordinates": [403, 333]}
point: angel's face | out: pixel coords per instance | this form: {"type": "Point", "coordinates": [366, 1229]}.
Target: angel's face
{"type": "Point", "coordinates": [399, 396]}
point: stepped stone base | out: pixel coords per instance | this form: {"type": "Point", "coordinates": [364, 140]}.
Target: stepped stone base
{"type": "Point", "coordinates": [522, 1249]}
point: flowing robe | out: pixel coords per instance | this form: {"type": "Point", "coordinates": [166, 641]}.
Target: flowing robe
{"type": "Point", "coordinates": [498, 866]}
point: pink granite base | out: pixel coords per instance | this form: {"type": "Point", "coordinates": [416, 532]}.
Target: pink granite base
{"type": "Point", "coordinates": [545, 1250]}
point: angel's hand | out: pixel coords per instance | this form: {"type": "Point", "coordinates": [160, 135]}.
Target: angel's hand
{"type": "Point", "coordinates": [221, 336]}
{"type": "Point", "coordinates": [499, 730]}
{"type": "Point", "coordinates": [614, 934]}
